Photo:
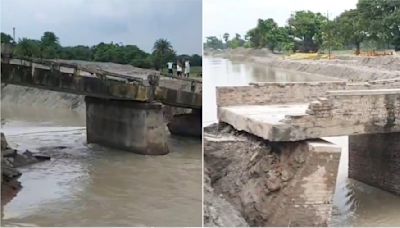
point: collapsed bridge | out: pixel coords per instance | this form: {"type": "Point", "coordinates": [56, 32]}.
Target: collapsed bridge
{"type": "Point", "coordinates": [293, 116]}
{"type": "Point", "coordinates": [123, 103]}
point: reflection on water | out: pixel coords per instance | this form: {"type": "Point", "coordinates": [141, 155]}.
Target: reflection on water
{"type": "Point", "coordinates": [90, 185]}
{"type": "Point", "coordinates": [358, 204]}
{"type": "Point", "coordinates": [355, 203]}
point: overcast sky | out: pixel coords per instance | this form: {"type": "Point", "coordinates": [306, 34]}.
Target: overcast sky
{"type": "Point", "coordinates": [239, 16]}
{"type": "Point", "coordinates": [89, 22]}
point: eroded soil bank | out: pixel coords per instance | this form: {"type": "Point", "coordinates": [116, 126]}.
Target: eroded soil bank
{"type": "Point", "coordinates": [266, 184]}
{"type": "Point", "coordinates": [351, 68]}
{"type": "Point", "coordinates": [11, 159]}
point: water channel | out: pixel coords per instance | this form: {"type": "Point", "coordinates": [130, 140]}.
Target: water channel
{"type": "Point", "coordinates": [355, 203]}
{"type": "Point", "coordinates": [91, 185]}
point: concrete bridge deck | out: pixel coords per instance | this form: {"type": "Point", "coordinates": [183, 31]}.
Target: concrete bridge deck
{"type": "Point", "coordinates": [291, 113]}
{"type": "Point", "coordinates": [321, 114]}
{"type": "Point", "coordinates": [103, 80]}
{"type": "Point", "coordinates": [123, 103]}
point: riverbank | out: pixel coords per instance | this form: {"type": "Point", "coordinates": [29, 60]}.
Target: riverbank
{"type": "Point", "coordinates": [13, 99]}
{"type": "Point", "coordinates": [11, 160]}
{"type": "Point", "coordinates": [350, 69]}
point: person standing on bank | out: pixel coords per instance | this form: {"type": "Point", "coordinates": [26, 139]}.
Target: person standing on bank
{"type": "Point", "coordinates": [187, 68]}
{"type": "Point", "coordinates": [178, 68]}
{"type": "Point", "coordinates": [170, 71]}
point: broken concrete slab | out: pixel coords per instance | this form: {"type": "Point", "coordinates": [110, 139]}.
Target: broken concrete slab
{"type": "Point", "coordinates": [345, 112]}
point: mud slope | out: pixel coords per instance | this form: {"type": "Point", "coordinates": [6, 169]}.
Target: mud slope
{"type": "Point", "coordinates": [351, 68]}
{"type": "Point", "coordinates": [32, 97]}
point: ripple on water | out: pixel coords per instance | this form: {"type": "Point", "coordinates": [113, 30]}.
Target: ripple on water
{"type": "Point", "coordinates": [90, 185]}
{"type": "Point", "coordinates": [358, 204]}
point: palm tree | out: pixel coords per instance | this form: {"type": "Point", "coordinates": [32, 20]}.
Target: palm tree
{"type": "Point", "coordinates": [162, 52]}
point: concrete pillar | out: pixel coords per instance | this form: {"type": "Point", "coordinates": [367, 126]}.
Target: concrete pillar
{"type": "Point", "coordinates": [186, 124]}
{"type": "Point", "coordinates": [375, 160]}
{"type": "Point", "coordinates": [126, 125]}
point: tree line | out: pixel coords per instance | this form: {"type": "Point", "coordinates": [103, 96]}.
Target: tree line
{"type": "Point", "coordinates": [374, 24]}
{"type": "Point", "coordinates": [48, 47]}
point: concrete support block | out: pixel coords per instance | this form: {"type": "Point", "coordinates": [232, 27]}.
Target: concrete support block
{"type": "Point", "coordinates": [375, 160]}
{"type": "Point", "coordinates": [310, 193]}
{"type": "Point", "coordinates": [127, 125]}
{"type": "Point", "coordinates": [186, 124]}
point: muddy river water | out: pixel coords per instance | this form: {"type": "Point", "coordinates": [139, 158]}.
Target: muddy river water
{"type": "Point", "coordinates": [355, 203]}
{"type": "Point", "coordinates": [91, 185]}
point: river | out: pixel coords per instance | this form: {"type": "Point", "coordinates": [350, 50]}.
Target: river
{"type": "Point", "coordinates": [91, 185]}
{"type": "Point", "coordinates": [355, 203]}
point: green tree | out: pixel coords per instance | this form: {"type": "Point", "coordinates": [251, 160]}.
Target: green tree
{"type": "Point", "coordinates": [350, 28]}
{"type": "Point", "coordinates": [49, 38]}
{"type": "Point", "coordinates": [263, 34]}
{"type": "Point", "coordinates": [101, 52]}
{"type": "Point", "coordinates": [132, 52]}
{"type": "Point", "coordinates": [392, 22]}
{"type": "Point", "coordinates": [282, 40]}
{"type": "Point", "coordinates": [196, 60]}
{"type": "Point", "coordinates": [144, 62]}
{"type": "Point", "coordinates": [49, 46]}
{"type": "Point", "coordinates": [119, 53]}
{"type": "Point", "coordinates": [162, 53]}
{"type": "Point", "coordinates": [27, 48]}
{"type": "Point", "coordinates": [5, 38]}
{"type": "Point", "coordinates": [213, 42]}
{"type": "Point", "coordinates": [236, 42]}
{"type": "Point", "coordinates": [381, 19]}
{"type": "Point", "coordinates": [79, 52]}
{"type": "Point", "coordinates": [307, 26]}
{"type": "Point", "coordinates": [269, 34]}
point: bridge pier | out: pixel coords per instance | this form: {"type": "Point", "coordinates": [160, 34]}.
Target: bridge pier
{"type": "Point", "coordinates": [127, 125]}
{"type": "Point", "coordinates": [186, 124]}
{"type": "Point", "coordinates": [375, 160]}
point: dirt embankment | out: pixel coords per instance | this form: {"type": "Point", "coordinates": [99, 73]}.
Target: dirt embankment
{"type": "Point", "coordinates": [217, 210]}
{"type": "Point", "coordinates": [11, 159]}
{"type": "Point", "coordinates": [349, 68]}
{"type": "Point", "coordinates": [33, 97]}
{"type": "Point", "coordinates": [9, 174]}
{"type": "Point", "coordinates": [263, 183]}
